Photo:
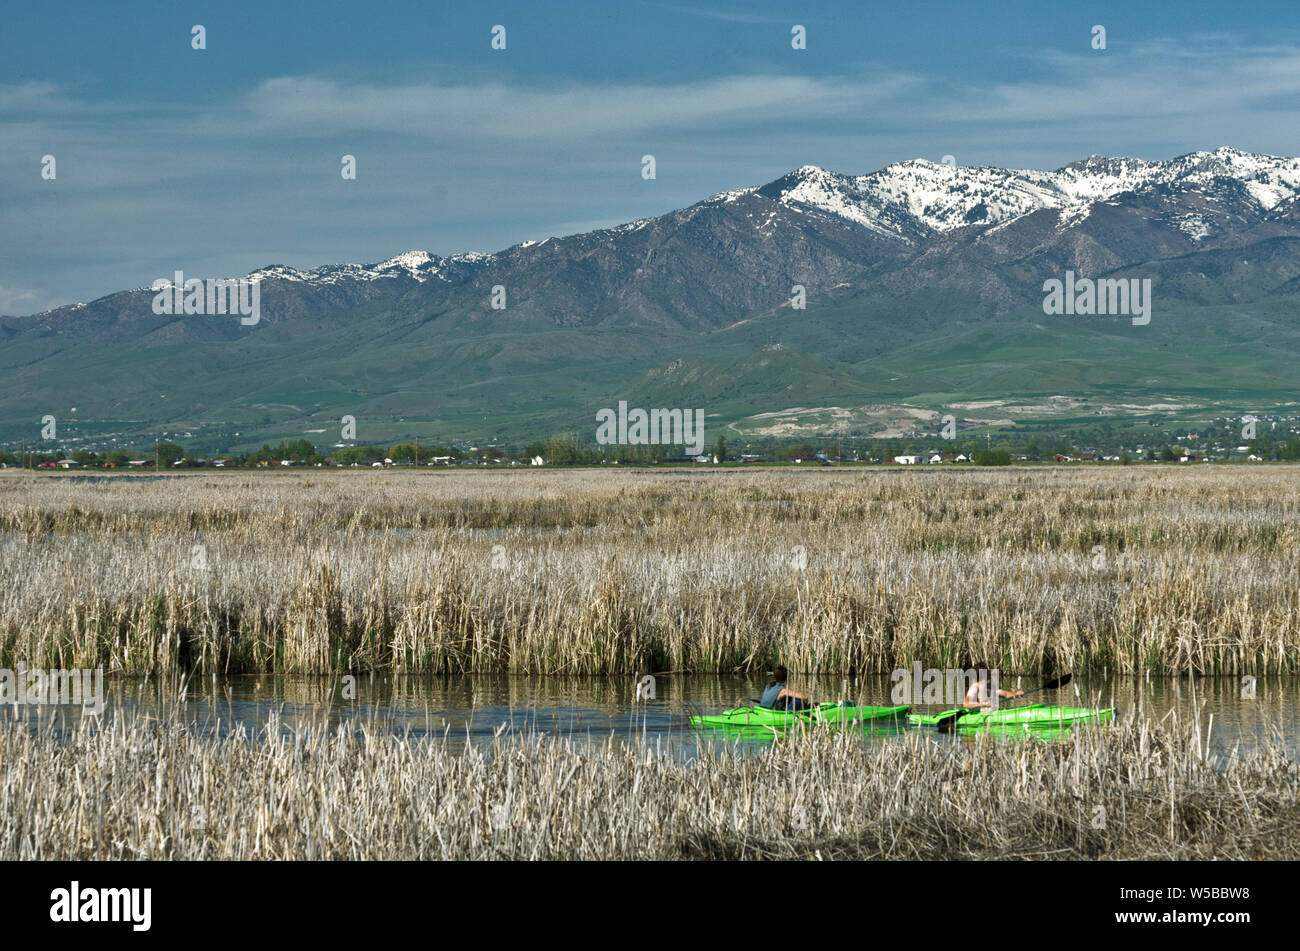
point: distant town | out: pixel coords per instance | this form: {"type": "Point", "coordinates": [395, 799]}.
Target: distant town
{"type": "Point", "coordinates": [1261, 439]}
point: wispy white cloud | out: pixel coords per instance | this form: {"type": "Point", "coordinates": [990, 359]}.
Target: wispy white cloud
{"type": "Point", "coordinates": [497, 111]}
{"type": "Point", "coordinates": [1158, 82]}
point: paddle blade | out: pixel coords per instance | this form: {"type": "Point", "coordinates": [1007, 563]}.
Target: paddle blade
{"type": "Point", "coordinates": [949, 723]}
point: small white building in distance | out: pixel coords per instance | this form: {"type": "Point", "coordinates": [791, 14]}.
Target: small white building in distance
{"type": "Point", "coordinates": [905, 460]}
{"type": "Point", "coordinates": [936, 458]}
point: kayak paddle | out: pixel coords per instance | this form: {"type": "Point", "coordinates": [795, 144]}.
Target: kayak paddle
{"type": "Point", "coordinates": [946, 724]}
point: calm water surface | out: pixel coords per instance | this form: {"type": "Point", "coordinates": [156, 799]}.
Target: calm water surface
{"type": "Point", "coordinates": [474, 709]}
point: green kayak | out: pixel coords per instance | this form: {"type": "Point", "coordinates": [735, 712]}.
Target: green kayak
{"type": "Point", "coordinates": [1038, 714]}
{"type": "Point", "coordinates": [830, 713]}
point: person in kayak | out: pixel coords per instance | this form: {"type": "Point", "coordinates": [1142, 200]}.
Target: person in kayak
{"type": "Point", "coordinates": [778, 696]}
{"type": "Point", "coordinates": [981, 691]}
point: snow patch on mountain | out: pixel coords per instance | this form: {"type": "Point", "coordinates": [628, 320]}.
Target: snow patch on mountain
{"type": "Point", "coordinates": [1194, 226]}
{"type": "Point", "coordinates": [631, 226]}
{"type": "Point", "coordinates": [1269, 194]}
{"type": "Point", "coordinates": [410, 261]}
{"type": "Point", "coordinates": [723, 198]}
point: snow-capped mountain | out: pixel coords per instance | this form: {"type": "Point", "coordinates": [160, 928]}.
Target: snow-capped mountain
{"type": "Point", "coordinates": [915, 222]}
{"type": "Point", "coordinates": [937, 265]}
{"type": "Point", "coordinates": [905, 204]}
{"type": "Point", "coordinates": [913, 200]}
{"type": "Point", "coordinates": [908, 203]}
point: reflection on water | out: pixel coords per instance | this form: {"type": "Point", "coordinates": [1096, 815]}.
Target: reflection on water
{"type": "Point", "coordinates": [475, 709]}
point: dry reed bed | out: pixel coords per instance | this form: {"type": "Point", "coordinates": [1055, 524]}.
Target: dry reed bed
{"type": "Point", "coordinates": [152, 789]}
{"type": "Point", "coordinates": [587, 572]}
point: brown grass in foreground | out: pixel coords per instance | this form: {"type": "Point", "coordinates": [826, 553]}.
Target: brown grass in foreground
{"type": "Point", "coordinates": [585, 572]}
{"type": "Point", "coordinates": [154, 790]}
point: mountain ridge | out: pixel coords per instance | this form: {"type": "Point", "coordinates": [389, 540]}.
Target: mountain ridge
{"type": "Point", "coordinates": [895, 266]}
{"type": "Point", "coordinates": [807, 185]}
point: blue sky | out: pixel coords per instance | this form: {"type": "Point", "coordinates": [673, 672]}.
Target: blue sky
{"type": "Point", "coordinates": [219, 161]}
